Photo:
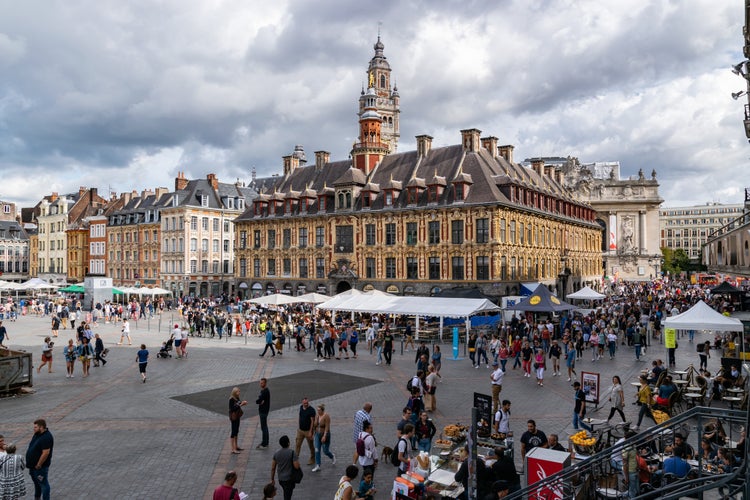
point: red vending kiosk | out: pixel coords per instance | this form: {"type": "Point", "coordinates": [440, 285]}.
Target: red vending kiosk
{"type": "Point", "coordinates": [541, 463]}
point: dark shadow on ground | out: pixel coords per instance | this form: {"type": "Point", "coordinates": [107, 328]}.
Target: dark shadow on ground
{"type": "Point", "coordinates": [285, 391]}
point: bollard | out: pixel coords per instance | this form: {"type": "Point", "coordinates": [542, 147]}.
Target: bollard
{"type": "Point", "coordinates": [402, 346]}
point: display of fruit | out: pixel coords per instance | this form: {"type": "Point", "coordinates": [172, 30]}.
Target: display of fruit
{"type": "Point", "coordinates": [581, 439]}
{"type": "Point", "coordinates": [453, 430]}
{"type": "Point", "coordinates": [497, 436]}
{"type": "Point", "coordinates": [443, 442]}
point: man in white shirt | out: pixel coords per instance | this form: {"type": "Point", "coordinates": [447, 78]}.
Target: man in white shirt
{"type": "Point", "coordinates": [502, 418]}
{"type": "Point", "coordinates": [369, 459]}
{"type": "Point", "coordinates": [497, 384]}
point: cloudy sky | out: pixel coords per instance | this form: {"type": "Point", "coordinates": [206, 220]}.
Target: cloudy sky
{"type": "Point", "coordinates": [123, 95]}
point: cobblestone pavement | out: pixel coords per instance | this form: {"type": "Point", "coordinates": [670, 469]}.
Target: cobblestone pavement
{"type": "Point", "coordinates": [120, 438]}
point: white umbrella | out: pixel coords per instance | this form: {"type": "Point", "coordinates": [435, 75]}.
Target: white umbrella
{"type": "Point", "coordinates": [312, 298]}
{"type": "Point", "coordinates": [36, 284]}
{"type": "Point", "coordinates": [276, 299]}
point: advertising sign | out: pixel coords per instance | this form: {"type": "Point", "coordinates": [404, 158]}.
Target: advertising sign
{"type": "Point", "coordinates": [612, 233]}
{"type": "Point", "coordinates": [670, 338]}
{"type": "Point", "coordinates": [483, 404]}
{"type": "Point", "coordinates": [590, 386]}
{"type": "Point", "coordinates": [542, 463]}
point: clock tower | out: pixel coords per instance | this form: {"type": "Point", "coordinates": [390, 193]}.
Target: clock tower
{"type": "Point", "coordinates": [387, 98]}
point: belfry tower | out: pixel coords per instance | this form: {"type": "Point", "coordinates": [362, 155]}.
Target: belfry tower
{"type": "Point", "coordinates": [378, 114]}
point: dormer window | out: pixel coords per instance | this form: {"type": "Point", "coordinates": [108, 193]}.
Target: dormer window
{"type": "Point", "coordinates": [366, 199]}
{"type": "Point", "coordinates": [204, 200]}
{"type": "Point", "coordinates": [241, 203]}
{"type": "Point", "coordinates": [344, 199]}
{"type": "Point", "coordinates": [389, 198]}
{"type": "Point", "coordinates": [323, 203]}
{"type": "Point", "coordinates": [459, 192]}
{"type": "Point", "coordinates": [230, 203]}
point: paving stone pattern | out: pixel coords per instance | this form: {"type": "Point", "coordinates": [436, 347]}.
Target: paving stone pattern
{"type": "Point", "coordinates": [168, 438]}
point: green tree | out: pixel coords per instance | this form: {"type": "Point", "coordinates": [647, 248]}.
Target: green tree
{"type": "Point", "coordinates": [676, 261]}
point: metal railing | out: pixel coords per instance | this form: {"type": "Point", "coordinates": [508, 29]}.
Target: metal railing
{"type": "Point", "coordinates": [588, 478]}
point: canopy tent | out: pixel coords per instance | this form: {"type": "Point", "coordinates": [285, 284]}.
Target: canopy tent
{"type": "Point", "coordinates": [276, 299]}
{"type": "Point", "coordinates": [724, 288]}
{"type": "Point", "coordinates": [702, 317]}
{"type": "Point", "coordinates": [586, 293]}
{"type": "Point", "coordinates": [411, 306]}
{"type": "Point", "coordinates": [9, 285]}
{"type": "Point", "coordinates": [117, 291]}
{"type": "Point", "coordinates": [312, 298]}
{"type": "Point", "coordinates": [541, 300]}
{"type": "Point", "coordinates": [154, 291]}
{"type": "Point", "coordinates": [72, 289]}
{"type": "Point", "coordinates": [529, 288]}
{"type": "Point", "coordinates": [341, 297]}
{"type": "Point", "coordinates": [36, 284]}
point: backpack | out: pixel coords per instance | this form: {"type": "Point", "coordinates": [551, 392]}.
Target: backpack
{"type": "Point", "coordinates": [394, 454]}
{"type": "Point", "coordinates": [410, 385]}
{"type": "Point", "coordinates": [361, 444]}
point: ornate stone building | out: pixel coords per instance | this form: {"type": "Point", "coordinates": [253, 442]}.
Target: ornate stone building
{"type": "Point", "coordinates": [627, 209]}
{"type": "Point", "coordinates": [413, 222]}
{"type": "Point", "coordinates": [14, 245]}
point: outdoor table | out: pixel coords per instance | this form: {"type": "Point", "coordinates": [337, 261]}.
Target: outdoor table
{"type": "Point", "coordinates": [735, 390]}
{"type": "Point", "coordinates": [693, 396]}
{"type": "Point", "coordinates": [593, 422]}
{"type": "Point", "coordinates": [680, 373]}
{"type": "Point", "coordinates": [732, 400]}
{"type": "Point", "coordinates": [681, 382]}
{"type": "Point", "coordinates": [693, 388]}
{"type": "Point", "coordinates": [635, 384]}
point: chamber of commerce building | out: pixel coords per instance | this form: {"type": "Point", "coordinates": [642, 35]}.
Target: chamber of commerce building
{"type": "Point", "coordinates": [414, 222]}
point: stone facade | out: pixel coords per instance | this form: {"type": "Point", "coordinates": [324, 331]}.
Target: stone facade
{"type": "Point", "coordinates": [627, 209]}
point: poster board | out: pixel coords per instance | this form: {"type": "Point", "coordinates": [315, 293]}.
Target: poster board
{"type": "Point", "coordinates": [670, 338]}
{"type": "Point", "coordinates": [483, 404]}
{"type": "Point", "coordinates": [591, 386]}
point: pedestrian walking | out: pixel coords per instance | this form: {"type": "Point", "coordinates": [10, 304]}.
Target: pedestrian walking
{"type": "Point", "coordinates": [554, 354]}
{"type": "Point", "coordinates": [226, 490]}
{"type": "Point", "coordinates": [322, 427]}
{"type": "Point", "coordinates": [99, 351]}
{"type": "Point", "coordinates": [283, 462]}
{"type": "Point", "coordinates": [388, 345]}
{"type": "Point", "coordinates": [39, 458]}
{"type": "Point", "coordinates": [704, 352]}
{"type": "Point", "coordinates": [431, 388]}
{"type": "Point", "coordinates": [235, 414]}
{"type": "Point", "coordinates": [579, 410]}
{"type": "Point", "coordinates": [496, 381]}
{"type": "Point", "coordinates": [539, 366]}
{"type": "Point", "coordinates": [3, 335]}
{"type": "Point", "coordinates": [305, 429]}
{"type": "Point", "coordinates": [362, 416]}
{"type": "Point", "coordinates": [142, 359]}
{"type": "Point", "coordinates": [269, 343]}
{"type": "Point", "coordinates": [264, 406]}
{"type": "Point", "coordinates": [570, 361]}
{"type": "Point", "coordinates": [125, 332]}
{"type": "Point", "coordinates": [85, 355]}
{"type": "Point", "coordinates": [70, 352]}
{"type": "Point", "coordinates": [46, 355]}
{"type": "Point", "coordinates": [12, 468]}
{"type": "Point", "coordinates": [617, 398]}
{"type": "Point", "coordinates": [437, 359]}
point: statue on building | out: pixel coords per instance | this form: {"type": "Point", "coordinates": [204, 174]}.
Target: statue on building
{"type": "Point", "coordinates": [626, 229]}
{"type": "Point", "coordinates": [640, 174]}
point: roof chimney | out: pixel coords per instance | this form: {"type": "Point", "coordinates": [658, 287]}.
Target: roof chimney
{"type": "Point", "coordinates": [321, 158]}
{"type": "Point", "coordinates": [559, 175]}
{"type": "Point", "coordinates": [53, 197]}
{"type": "Point", "coordinates": [81, 191]}
{"type": "Point", "coordinates": [507, 152]}
{"type": "Point", "coordinates": [549, 171]}
{"type": "Point", "coordinates": [161, 191]}
{"type": "Point", "coordinates": [490, 144]}
{"type": "Point", "coordinates": [470, 140]}
{"type": "Point", "coordinates": [538, 166]}
{"type": "Point", "coordinates": [214, 181]}
{"type": "Point", "coordinates": [180, 182]}
{"type": "Point", "coordinates": [424, 145]}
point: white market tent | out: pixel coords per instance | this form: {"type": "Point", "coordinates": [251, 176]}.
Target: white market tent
{"type": "Point", "coordinates": [276, 299]}
{"type": "Point", "coordinates": [36, 284]}
{"type": "Point", "coordinates": [312, 298]}
{"type": "Point", "coordinates": [585, 293]}
{"type": "Point", "coordinates": [702, 317]}
{"type": "Point", "coordinates": [442, 307]}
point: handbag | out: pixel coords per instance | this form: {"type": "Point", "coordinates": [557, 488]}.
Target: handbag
{"type": "Point", "coordinates": [236, 414]}
{"type": "Point", "coordinates": [297, 475]}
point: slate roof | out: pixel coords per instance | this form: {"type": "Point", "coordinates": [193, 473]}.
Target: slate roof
{"type": "Point", "coordinates": [488, 178]}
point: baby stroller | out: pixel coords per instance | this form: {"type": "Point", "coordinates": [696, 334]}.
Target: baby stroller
{"type": "Point", "coordinates": [166, 348]}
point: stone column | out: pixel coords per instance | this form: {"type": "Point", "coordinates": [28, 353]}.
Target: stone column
{"type": "Point", "coordinates": [642, 231]}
